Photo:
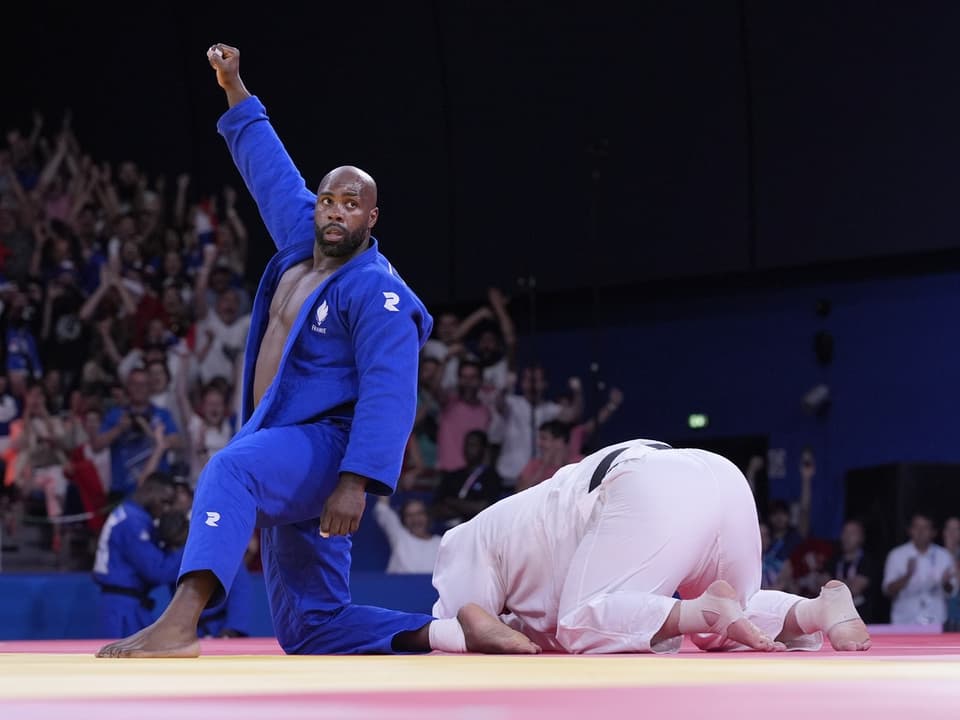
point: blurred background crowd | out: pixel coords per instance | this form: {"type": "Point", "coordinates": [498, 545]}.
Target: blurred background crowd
{"type": "Point", "coordinates": [124, 311]}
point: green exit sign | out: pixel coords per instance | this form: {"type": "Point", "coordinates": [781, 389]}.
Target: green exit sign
{"type": "Point", "coordinates": [697, 421]}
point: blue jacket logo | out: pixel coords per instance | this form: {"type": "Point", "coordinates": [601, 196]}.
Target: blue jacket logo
{"type": "Point", "coordinates": [322, 313]}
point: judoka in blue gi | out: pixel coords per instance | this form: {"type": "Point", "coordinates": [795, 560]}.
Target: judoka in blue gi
{"type": "Point", "coordinates": [130, 561]}
{"type": "Point", "coordinates": [329, 398]}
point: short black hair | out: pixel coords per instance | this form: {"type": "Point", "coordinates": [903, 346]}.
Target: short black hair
{"type": "Point", "coordinates": [557, 429]}
{"type": "Point", "coordinates": [480, 435]}
{"type": "Point", "coordinates": [158, 477]}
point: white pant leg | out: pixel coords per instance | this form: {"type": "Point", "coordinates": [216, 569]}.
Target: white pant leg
{"type": "Point", "coordinates": [465, 573]}
{"type": "Point", "coordinates": [654, 528]}
{"type": "Point", "coordinates": [740, 564]}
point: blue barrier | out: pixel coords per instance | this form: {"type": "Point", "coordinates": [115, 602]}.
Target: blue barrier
{"type": "Point", "coordinates": [63, 606]}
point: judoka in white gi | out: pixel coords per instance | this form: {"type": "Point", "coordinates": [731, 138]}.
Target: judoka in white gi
{"type": "Point", "coordinates": [566, 568]}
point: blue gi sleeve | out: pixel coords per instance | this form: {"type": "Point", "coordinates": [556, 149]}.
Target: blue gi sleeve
{"type": "Point", "coordinates": [384, 322]}
{"type": "Point", "coordinates": [153, 565]}
{"type": "Point", "coordinates": [285, 203]}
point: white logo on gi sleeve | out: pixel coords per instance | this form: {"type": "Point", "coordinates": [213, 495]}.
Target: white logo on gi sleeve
{"type": "Point", "coordinates": [390, 301]}
{"type": "Point", "coordinates": [212, 519]}
{"type": "Point", "coordinates": [321, 315]}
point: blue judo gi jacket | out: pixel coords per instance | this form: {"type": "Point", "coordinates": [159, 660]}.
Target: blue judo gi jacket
{"type": "Point", "coordinates": [353, 351]}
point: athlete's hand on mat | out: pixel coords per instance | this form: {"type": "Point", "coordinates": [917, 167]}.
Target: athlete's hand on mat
{"type": "Point", "coordinates": [343, 509]}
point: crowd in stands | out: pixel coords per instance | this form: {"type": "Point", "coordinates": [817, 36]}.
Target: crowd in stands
{"type": "Point", "coordinates": [124, 308]}
{"type": "Point", "coordinates": [915, 584]}
{"type": "Point", "coordinates": [124, 311]}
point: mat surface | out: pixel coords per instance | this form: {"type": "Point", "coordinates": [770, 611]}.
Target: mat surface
{"type": "Point", "coordinates": [240, 679]}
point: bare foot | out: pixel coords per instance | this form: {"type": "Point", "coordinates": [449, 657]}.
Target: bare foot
{"type": "Point", "coordinates": [842, 622]}
{"type": "Point", "coordinates": [739, 630]}
{"type": "Point", "coordinates": [155, 641]}
{"type": "Point", "coordinates": [486, 634]}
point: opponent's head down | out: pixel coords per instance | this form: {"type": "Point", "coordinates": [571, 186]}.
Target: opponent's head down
{"type": "Point", "coordinates": [346, 211]}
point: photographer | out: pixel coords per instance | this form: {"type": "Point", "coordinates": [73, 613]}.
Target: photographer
{"type": "Point", "coordinates": [128, 431]}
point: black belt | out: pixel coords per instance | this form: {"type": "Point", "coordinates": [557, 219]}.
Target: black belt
{"type": "Point", "coordinates": [607, 461]}
{"type": "Point", "coordinates": [146, 602]}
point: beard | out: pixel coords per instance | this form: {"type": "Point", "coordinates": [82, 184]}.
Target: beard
{"type": "Point", "coordinates": [347, 245]}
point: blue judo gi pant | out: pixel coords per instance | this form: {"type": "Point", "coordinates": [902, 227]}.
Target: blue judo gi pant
{"type": "Point", "coordinates": [278, 479]}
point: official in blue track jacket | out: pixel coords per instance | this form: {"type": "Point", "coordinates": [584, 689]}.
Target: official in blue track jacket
{"type": "Point", "coordinates": [329, 397]}
{"type": "Point", "coordinates": [130, 562]}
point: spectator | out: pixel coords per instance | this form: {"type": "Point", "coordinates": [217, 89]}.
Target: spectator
{"type": "Point", "coordinates": [784, 537]}
{"type": "Point", "coordinates": [461, 411]}
{"type": "Point", "coordinates": [446, 333]}
{"type": "Point", "coordinates": [428, 411]}
{"type": "Point", "coordinates": [805, 571]}
{"type": "Point", "coordinates": [553, 452]}
{"type": "Point", "coordinates": [856, 567]}
{"type": "Point", "coordinates": [495, 350]}
{"type": "Point", "coordinates": [413, 548]}
{"type": "Point", "coordinates": [582, 435]}
{"type": "Point", "coordinates": [92, 421]}
{"type": "Point", "coordinates": [16, 242]}
{"type": "Point", "coordinates": [36, 457]}
{"type": "Point", "coordinates": [64, 337]}
{"type": "Point", "coordinates": [208, 430]}
{"type": "Point", "coordinates": [128, 431]}
{"type": "Point", "coordinates": [465, 492]}
{"type": "Point", "coordinates": [23, 359]}
{"type": "Point", "coordinates": [771, 566]}
{"type": "Point", "coordinates": [518, 414]}
{"type": "Point", "coordinates": [9, 411]}
{"type": "Point", "coordinates": [918, 577]}
{"type": "Point", "coordinates": [222, 332]}
{"type": "Point", "coordinates": [951, 543]}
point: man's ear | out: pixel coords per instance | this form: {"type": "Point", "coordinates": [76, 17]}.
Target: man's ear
{"type": "Point", "coordinates": [372, 220]}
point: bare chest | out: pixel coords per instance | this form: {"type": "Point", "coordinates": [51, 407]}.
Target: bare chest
{"type": "Point", "coordinates": [294, 289]}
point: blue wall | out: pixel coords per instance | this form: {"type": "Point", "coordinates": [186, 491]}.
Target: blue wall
{"type": "Point", "coordinates": [746, 359]}
{"type": "Point", "coordinates": [64, 606]}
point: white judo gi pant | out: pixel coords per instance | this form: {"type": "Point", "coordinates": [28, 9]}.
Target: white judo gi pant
{"type": "Point", "coordinates": [672, 521]}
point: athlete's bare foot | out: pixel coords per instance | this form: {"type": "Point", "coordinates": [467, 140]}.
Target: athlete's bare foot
{"type": "Point", "coordinates": [160, 640]}
{"type": "Point", "coordinates": [842, 622]}
{"type": "Point", "coordinates": [486, 634]}
{"type": "Point", "coordinates": [740, 630]}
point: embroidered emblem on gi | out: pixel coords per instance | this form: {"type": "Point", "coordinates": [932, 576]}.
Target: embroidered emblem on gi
{"type": "Point", "coordinates": [322, 313]}
{"type": "Point", "coordinates": [212, 519]}
{"type": "Point", "coordinates": [390, 301]}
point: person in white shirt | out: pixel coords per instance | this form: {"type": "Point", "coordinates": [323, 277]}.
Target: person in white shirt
{"type": "Point", "coordinates": [413, 548]}
{"type": "Point", "coordinates": [210, 427]}
{"type": "Point", "coordinates": [589, 561]}
{"type": "Point", "coordinates": [222, 330]}
{"type": "Point", "coordinates": [513, 426]}
{"type": "Point", "coordinates": [918, 577]}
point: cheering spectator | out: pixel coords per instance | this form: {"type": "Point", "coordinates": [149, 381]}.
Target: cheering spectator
{"type": "Point", "coordinates": [517, 414]}
{"type": "Point", "coordinates": [553, 452]}
{"type": "Point", "coordinates": [461, 411]}
{"type": "Point", "coordinates": [413, 548]}
{"type": "Point", "coordinates": [918, 577]}
{"type": "Point", "coordinates": [128, 431]}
